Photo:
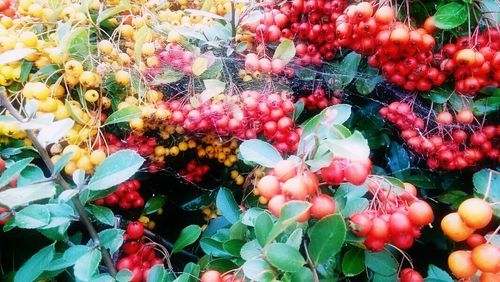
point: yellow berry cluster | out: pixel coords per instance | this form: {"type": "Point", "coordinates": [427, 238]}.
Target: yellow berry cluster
{"type": "Point", "coordinates": [212, 147]}
{"type": "Point", "coordinates": [209, 213]}
{"type": "Point", "coordinates": [81, 159]}
{"type": "Point", "coordinates": [162, 151]}
{"type": "Point", "coordinates": [249, 76]}
{"type": "Point", "coordinates": [148, 222]}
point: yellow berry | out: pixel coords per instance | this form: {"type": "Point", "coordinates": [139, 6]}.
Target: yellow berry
{"type": "Point", "coordinates": [174, 151]}
{"type": "Point", "coordinates": [105, 46]}
{"type": "Point", "coordinates": [40, 91]}
{"type": "Point", "coordinates": [70, 168]}
{"type": "Point", "coordinates": [48, 105]}
{"type": "Point", "coordinates": [239, 180]}
{"type": "Point", "coordinates": [159, 211]}
{"type": "Point", "coordinates": [151, 224]}
{"type": "Point", "coordinates": [148, 49]}
{"type": "Point", "coordinates": [122, 77]}
{"type": "Point", "coordinates": [97, 156]}
{"type": "Point", "coordinates": [159, 150]}
{"type": "Point", "coordinates": [137, 124]}
{"type": "Point", "coordinates": [262, 200]}
{"type": "Point", "coordinates": [84, 163]}
{"type": "Point", "coordinates": [183, 146]}
{"type": "Point", "coordinates": [73, 68]}
{"type": "Point", "coordinates": [57, 91]}
{"type": "Point", "coordinates": [126, 30]}
{"type": "Point", "coordinates": [76, 152]}
{"type": "Point", "coordinates": [91, 95]}
{"type": "Point", "coordinates": [28, 38]}
{"type": "Point", "coordinates": [106, 102]}
{"type": "Point", "coordinates": [143, 219]}
{"type": "Point", "coordinates": [233, 174]}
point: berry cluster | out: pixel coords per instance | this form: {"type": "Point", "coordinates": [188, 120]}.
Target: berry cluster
{"type": "Point", "coordinates": [271, 27]}
{"type": "Point", "coordinates": [137, 256]}
{"type": "Point", "coordinates": [473, 67]}
{"type": "Point", "coordinates": [263, 65]}
{"type": "Point", "coordinates": [7, 9]}
{"type": "Point", "coordinates": [283, 133]}
{"type": "Point", "coordinates": [397, 221]}
{"type": "Point", "coordinates": [285, 183]}
{"type": "Point", "coordinates": [354, 172]}
{"type": "Point", "coordinates": [194, 172]}
{"type": "Point", "coordinates": [454, 149]}
{"type": "Point", "coordinates": [177, 58]}
{"type": "Point", "coordinates": [459, 226]}
{"type": "Point", "coordinates": [125, 197]}
{"type": "Point", "coordinates": [318, 101]}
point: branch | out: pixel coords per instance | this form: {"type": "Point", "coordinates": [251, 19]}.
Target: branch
{"type": "Point", "coordinates": [311, 264]}
{"type": "Point", "coordinates": [84, 218]}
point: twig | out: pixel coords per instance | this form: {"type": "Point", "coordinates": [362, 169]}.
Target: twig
{"type": "Point", "coordinates": [84, 218]}
{"type": "Point", "coordinates": [311, 264]}
{"type": "Point", "coordinates": [488, 187]}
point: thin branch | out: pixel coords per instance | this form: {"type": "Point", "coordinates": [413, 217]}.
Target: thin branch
{"type": "Point", "coordinates": [311, 264]}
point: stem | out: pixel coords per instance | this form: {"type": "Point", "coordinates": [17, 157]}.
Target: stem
{"type": "Point", "coordinates": [488, 187]}
{"type": "Point", "coordinates": [84, 218]}
{"type": "Point", "coordinates": [311, 264]}
{"type": "Point", "coordinates": [493, 234]}
{"type": "Point", "coordinates": [233, 18]}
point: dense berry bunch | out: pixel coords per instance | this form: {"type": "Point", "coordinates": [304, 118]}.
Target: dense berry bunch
{"type": "Point", "coordinates": [460, 226]}
{"type": "Point", "coordinates": [177, 58]}
{"type": "Point", "coordinates": [125, 197]}
{"type": "Point", "coordinates": [137, 256]}
{"type": "Point", "coordinates": [263, 65]}
{"type": "Point", "coordinates": [317, 100]}
{"type": "Point", "coordinates": [473, 62]}
{"type": "Point", "coordinates": [395, 219]}
{"type": "Point", "coordinates": [339, 170]}
{"type": "Point", "coordinates": [194, 172]}
{"type": "Point", "coordinates": [288, 182]}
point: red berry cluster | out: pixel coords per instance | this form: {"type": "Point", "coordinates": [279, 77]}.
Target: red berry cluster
{"type": "Point", "coordinates": [137, 256]}
{"type": "Point", "coordinates": [457, 148]}
{"type": "Point", "coordinates": [264, 65]}
{"type": "Point", "coordinates": [243, 118]}
{"type": "Point", "coordinates": [473, 67]}
{"type": "Point", "coordinates": [317, 100]}
{"type": "Point", "coordinates": [394, 219]}
{"type": "Point", "coordinates": [285, 182]}
{"type": "Point", "coordinates": [143, 145]}
{"type": "Point", "coordinates": [271, 27]}
{"type": "Point", "coordinates": [176, 57]}
{"type": "Point", "coordinates": [354, 172]}
{"type": "Point", "coordinates": [194, 172]}
{"type": "Point", "coordinates": [125, 197]}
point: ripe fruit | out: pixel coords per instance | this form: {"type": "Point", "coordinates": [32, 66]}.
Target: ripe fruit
{"type": "Point", "coordinates": [420, 213]}
{"type": "Point", "coordinates": [410, 275]}
{"type": "Point", "coordinates": [91, 95]}
{"type": "Point", "coordinates": [461, 265]}
{"type": "Point", "coordinates": [455, 228]}
{"type": "Point", "coordinates": [486, 257]}
{"type": "Point", "coordinates": [211, 276]}
{"type": "Point", "coordinates": [356, 173]}
{"type": "Point", "coordinates": [122, 77]}
{"type": "Point", "coordinates": [475, 212]}
{"type": "Point", "coordinates": [285, 170]}
{"type": "Point", "coordinates": [475, 240]}
{"type": "Point", "coordinates": [269, 186]}
{"type": "Point", "coordinates": [399, 223]}
{"type": "Point", "coordinates": [295, 188]}
{"type": "Point", "coordinates": [360, 224]}
{"type": "Point", "coordinates": [322, 205]}
{"type": "Point", "coordinates": [135, 230]}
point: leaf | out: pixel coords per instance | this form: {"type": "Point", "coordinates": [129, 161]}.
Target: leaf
{"type": "Point", "coordinates": [326, 238]}
{"type": "Point", "coordinates": [156, 273]}
{"type": "Point", "coordinates": [258, 270]}
{"type": "Point", "coordinates": [62, 162]}
{"type": "Point", "coordinates": [199, 66]}
{"type": "Point", "coordinates": [290, 212]}
{"type": "Point", "coordinates": [55, 131]}
{"type": "Point", "coordinates": [450, 15]}
{"type": "Point", "coordinates": [26, 67]}
{"type": "Point", "coordinates": [17, 54]}
{"type": "Point", "coordinates": [188, 236]}
{"type": "Point", "coordinates": [285, 257]}
{"type": "Point", "coordinates": [168, 76]}
{"type": "Point", "coordinates": [115, 169]}
{"type": "Point", "coordinates": [13, 171]}
{"type": "Point", "coordinates": [87, 265]}
{"type": "Point", "coordinates": [110, 12]}
{"type": "Point", "coordinates": [77, 43]}
{"type": "Point", "coordinates": [436, 274]}
{"type": "Point", "coordinates": [123, 115]}
{"type": "Point", "coordinates": [487, 179]}
{"type": "Point", "coordinates": [233, 246]}
{"type": "Point", "coordinates": [263, 225]}
{"type": "Point", "coordinates": [250, 250]}
{"type": "Point", "coordinates": [285, 51]}
{"type": "Point", "coordinates": [453, 198]}
{"type": "Point", "coordinates": [154, 204]}
{"type": "Point", "coordinates": [250, 216]}
{"type": "Point", "coordinates": [125, 275]}
{"type": "Point", "coordinates": [486, 106]}
{"type": "Point", "coordinates": [298, 109]}
{"type": "Point", "coordinates": [70, 256]}
{"type": "Point", "coordinates": [440, 95]}
{"type": "Point", "coordinates": [259, 152]}
{"type": "Point", "coordinates": [103, 214]}
{"type": "Point", "coordinates": [212, 88]}
{"type": "Point", "coordinates": [381, 262]}
{"type": "Point", "coordinates": [353, 262]}
{"type": "Point", "coordinates": [491, 7]}
{"type": "Point", "coordinates": [33, 216]}
{"type": "Point", "coordinates": [140, 38]}
{"type": "Point", "coordinates": [366, 86]}
{"type": "Point", "coordinates": [354, 147]}
{"type": "Point", "coordinates": [111, 239]}
{"type": "Point", "coordinates": [340, 75]}
{"type": "Point", "coordinates": [398, 159]}
{"type": "Point", "coordinates": [295, 239]}
{"type": "Point", "coordinates": [30, 175]}
{"type": "Point", "coordinates": [226, 203]}
{"type": "Point", "coordinates": [35, 265]}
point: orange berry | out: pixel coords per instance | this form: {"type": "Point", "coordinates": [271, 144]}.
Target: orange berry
{"type": "Point", "coordinates": [475, 212]}
{"type": "Point", "coordinates": [455, 228]}
{"type": "Point", "coordinates": [461, 265]}
{"type": "Point", "coordinates": [486, 257]}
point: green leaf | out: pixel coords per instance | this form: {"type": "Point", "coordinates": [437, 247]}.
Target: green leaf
{"type": "Point", "coordinates": [259, 152]}
{"type": "Point", "coordinates": [340, 75]}
{"type": "Point", "coordinates": [486, 106]}
{"type": "Point", "coordinates": [168, 76]}
{"type": "Point", "coordinates": [199, 66]}
{"type": "Point", "coordinates": [226, 203]}
{"type": "Point", "coordinates": [453, 198]}
{"type": "Point", "coordinates": [154, 204]}
{"type": "Point", "coordinates": [62, 162]}
{"type": "Point", "coordinates": [35, 265]}
{"type": "Point", "coordinates": [77, 43]}
{"type": "Point", "coordinates": [188, 236]}
{"type": "Point", "coordinates": [487, 179]}
{"type": "Point", "coordinates": [123, 115]}
{"type": "Point", "coordinates": [111, 239]}
{"type": "Point", "coordinates": [87, 265]}
{"type": "Point", "coordinates": [295, 239]}
{"type": "Point", "coordinates": [298, 109]}
{"type": "Point", "coordinates": [398, 159]}
{"type": "Point", "coordinates": [30, 175]}
{"type": "Point", "coordinates": [491, 8]}
{"type": "Point", "coordinates": [13, 198]}
{"type": "Point", "coordinates": [263, 225]}
{"type": "Point", "coordinates": [450, 15]}
{"type": "Point", "coordinates": [250, 250]}
{"type": "Point", "coordinates": [258, 270]}
{"type": "Point", "coordinates": [115, 169]}
{"type": "Point", "coordinates": [13, 171]}
{"type": "Point", "coordinates": [285, 257]}
{"type": "Point", "coordinates": [110, 12]}
{"type": "Point", "coordinates": [285, 51]}
{"type": "Point", "coordinates": [125, 275]}
{"type": "Point", "coordinates": [440, 95]}
{"type": "Point", "coordinates": [305, 74]}
{"type": "Point", "coordinates": [326, 238]}
{"type": "Point", "coordinates": [354, 147]}
{"type": "Point", "coordinates": [381, 262]}
{"type": "Point", "coordinates": [33, 216]}
{"type": "Point", "coordinates": [103, 214]}
{"type": "Point", "coordinates": [14, 55]}
{"type": "Point", "coordinates": [70, 256]}
{"type": "Point", "coordinates": [353, 262]}
{"type": "Point", "coordinates": [233, 246]}
{"type": "Point", "coordinates": [157, 273]}
{"type": "Point", "coordinates": [289, 214]}
{"type": "Point", "coordinates": [26, 67]}
{"type": "Point", "coordinates": [436, 274]}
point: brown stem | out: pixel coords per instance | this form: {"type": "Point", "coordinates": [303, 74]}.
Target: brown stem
{"type": "Point", "coordinates": [84, 218]}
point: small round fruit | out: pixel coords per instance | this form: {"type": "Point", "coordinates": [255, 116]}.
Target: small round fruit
{"type": "Point", "coordinates": [356, 173]}
{"type": "Point", "coordinates": [455, 228]}
{"type": "Point", "coordinates": [461, 265]}
{"type": "Point", "coordinates": [269, 186]}
{"type": "Point", "coordinates": [135, 230]}
{"type": "Point", "coordinates": [360, 224]}
{"type": "Point", "coordinates": [322, 205]}
{"type": "Point", "coordinates": [489, 277]}
{"type": "Point", "coordinates": [276, 204]}
{"type": "Point", "coordinates": [91, 95]}
{"type": "Point", "coordinates": [420, 213]}
{"type": "Point", "coordinates": [486, 257]}
{"type": "Point", "coordinates": [122, 77]}
{"type": "Point", "coordinates": [211, 276]}
{"type": "Point", "coordinates": [475, 212]}
{"type": "Point", "coordinates": [97, 156]}
{"type": "Point", "coordinates": [295, 188]}
{"type": "Point", "coordinates": [410, 275]}
{"type": "Point", "coordinates": [475, 240]}
{"type": "Point", "coordinates": [285, 170]}
{"type": "Point", "coordinates": [399, 223]}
